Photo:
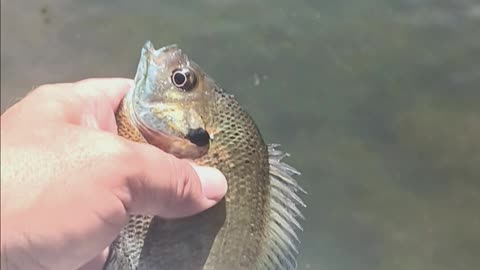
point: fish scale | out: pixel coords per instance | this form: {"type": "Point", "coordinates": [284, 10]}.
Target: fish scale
{"type": "Point", "coordinates": [253, 227]}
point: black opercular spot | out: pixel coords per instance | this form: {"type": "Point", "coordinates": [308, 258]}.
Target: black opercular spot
{"type": "Point", "coordinates": [198, 136]}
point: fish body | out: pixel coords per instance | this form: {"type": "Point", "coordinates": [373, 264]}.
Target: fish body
{"type": "Point", "coordinates": [177, 107]}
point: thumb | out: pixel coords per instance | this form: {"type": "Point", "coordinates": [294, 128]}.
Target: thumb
{"type": "Point", "coordinates": [169, 187]}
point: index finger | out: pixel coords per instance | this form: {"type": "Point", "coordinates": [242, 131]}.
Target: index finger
{"type": "Point", "coordinates": [95, 99]}
{"type": "Point", "coordinates": [108, 89]}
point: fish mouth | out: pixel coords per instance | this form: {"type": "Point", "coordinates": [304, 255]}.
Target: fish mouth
{"type": "Point", "coordinates": [163, 125]}
{"type": "Point", "coordinates": [181, 147]}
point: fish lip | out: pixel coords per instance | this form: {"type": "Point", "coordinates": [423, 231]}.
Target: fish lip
{"type": "Point", "coordinates": [150, 47]}
{"type": "Point", "coordinates": [138, 97]}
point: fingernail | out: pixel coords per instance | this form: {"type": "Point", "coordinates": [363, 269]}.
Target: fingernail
{"type": "Point", "coordinates": [214, 184]}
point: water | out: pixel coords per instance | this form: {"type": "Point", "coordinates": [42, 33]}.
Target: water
{"type": "Point", "coordinates": [376, 100]}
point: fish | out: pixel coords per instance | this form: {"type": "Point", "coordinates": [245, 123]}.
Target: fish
{"type": "Point", "coordinates": [175, 106]}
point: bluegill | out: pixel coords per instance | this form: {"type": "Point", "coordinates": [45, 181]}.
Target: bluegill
{"type": "Point", "coordinates": [177, 107]}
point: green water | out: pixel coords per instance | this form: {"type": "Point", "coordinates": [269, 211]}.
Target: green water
{"type": "Point", "coordinates": [376, 100]}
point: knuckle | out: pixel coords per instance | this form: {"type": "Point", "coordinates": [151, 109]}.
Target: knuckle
{"type": "Point", "coordinates": [169, 194]}
{"type": "Point", "coordinates": [48, 98]}
{"type": "Point", "coordinates": [46, 90]}
{"type": "Point", "coordinates": [111, 148]}
{"type": "Point", "coordinates": [86, 81]}
{"type": "Point", "coordinates": [123, 152]}
{"type": "Point", "coordinates": [183, 186]}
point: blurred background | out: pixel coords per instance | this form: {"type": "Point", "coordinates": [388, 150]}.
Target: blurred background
{"type": "Point", "coordinates": [376, 100]}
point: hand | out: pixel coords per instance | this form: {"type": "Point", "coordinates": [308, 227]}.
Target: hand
{"type": "Point", "coordinates": [69, 182]}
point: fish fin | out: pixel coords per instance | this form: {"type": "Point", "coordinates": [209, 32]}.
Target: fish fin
{"type": "Point", "coordinates": [111, 258]}
{"type": "Point", "coordinates": [282, 240]}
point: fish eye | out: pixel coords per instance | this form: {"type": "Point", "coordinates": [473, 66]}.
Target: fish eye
{"type": "Point", "coordinates": [183, 79]}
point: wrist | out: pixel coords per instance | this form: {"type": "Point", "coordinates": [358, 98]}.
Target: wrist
{"type": "Point", "coordinates": [15, 248]}
{"type": "Point", "coordinates": [8, 245]}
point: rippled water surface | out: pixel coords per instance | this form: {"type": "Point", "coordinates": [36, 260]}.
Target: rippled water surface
{"type": "Point", "coordinates": [376, 100]}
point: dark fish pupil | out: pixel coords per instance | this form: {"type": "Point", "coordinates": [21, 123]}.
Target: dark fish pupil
{"type": "Point", "coordinates": [179, 78]}
{"type": "Point", "coordinates": [198, 136]}
{"type": "Point", "coordinates": [183, 79]}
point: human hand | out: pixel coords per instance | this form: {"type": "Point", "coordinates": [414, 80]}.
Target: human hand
{"type": "Point", "coordinates": [69, 182]}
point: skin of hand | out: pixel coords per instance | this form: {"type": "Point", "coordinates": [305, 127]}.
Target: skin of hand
{"type": "Point", "coordinates": [69, 182]}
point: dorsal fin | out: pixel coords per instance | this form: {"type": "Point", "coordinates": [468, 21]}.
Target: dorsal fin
{"type": "Point", "coordinates": [282, 240]}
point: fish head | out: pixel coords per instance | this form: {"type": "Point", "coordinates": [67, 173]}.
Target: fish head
{"type": "Point", "coordinates": [171, 101]}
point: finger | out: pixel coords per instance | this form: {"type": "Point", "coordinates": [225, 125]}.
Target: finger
{"type": "Point", "coordinates": [38, 101]}
{"type": "Point", "coordinates": [169, 187]}
{"type": "Point", "coordinates": [100, 99]}
{"type": "Point", "coordinates": [109, 89]}
{"type": "Point", "coordinates": [69, 101]}
{"type": "Point", "coordinates": [90, 102]}
{"type": "Point", "coordinates": [53, 87]}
